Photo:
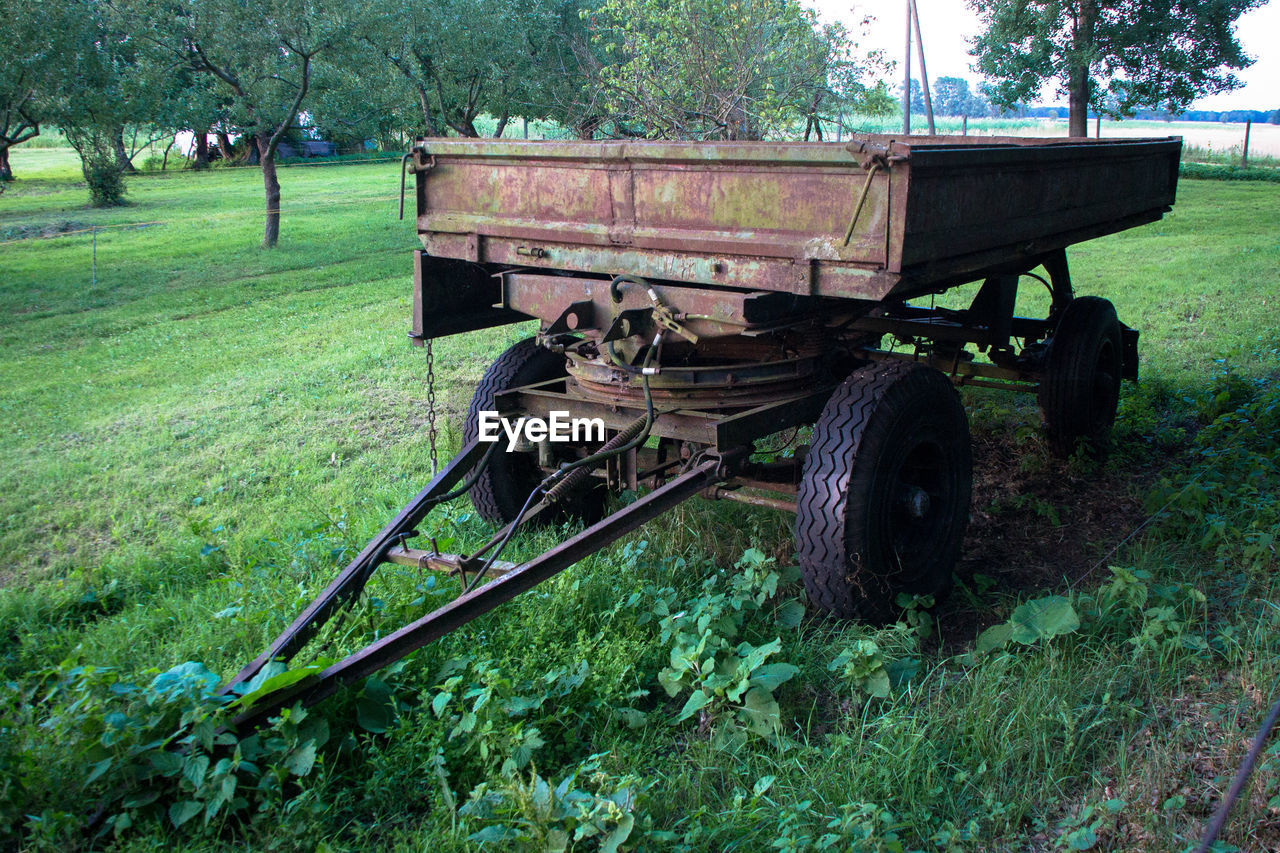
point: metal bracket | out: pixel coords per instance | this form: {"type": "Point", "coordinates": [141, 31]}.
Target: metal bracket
{"type": "Point", "coordinates": [632, 321]}
{"type": "Point", "coordinates": [416, 167]}
{"type": "Point", "coordinates": [578, 316]}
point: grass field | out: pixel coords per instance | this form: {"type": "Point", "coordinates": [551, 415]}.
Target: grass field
{"type": "Point", "coordinates": [199, 438]}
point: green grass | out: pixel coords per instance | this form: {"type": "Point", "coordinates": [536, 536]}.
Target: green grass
{"type": "Point", "coordinates": [1205, 171]}
{"type": "Point", "coordinates": [1231, 157]}
{"type": "Point", "coordinates": [196, 442]}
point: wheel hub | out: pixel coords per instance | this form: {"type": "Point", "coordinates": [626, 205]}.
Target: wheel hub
{"type": "Point", "coordinates": [916, 500]}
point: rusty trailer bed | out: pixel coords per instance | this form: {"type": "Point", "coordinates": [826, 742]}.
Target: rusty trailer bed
{"type": "Point", "coordinates": [882, 217]}
{"type": "Point", "coordinates": [695, 299]}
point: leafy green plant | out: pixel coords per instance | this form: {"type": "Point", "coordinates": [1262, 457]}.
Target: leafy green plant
{"type": "Point", "coordinates": [862, 667]}
{"type": "Point", "coordinates": [1082, 830]}
{"type": "Point", "coordinates": [1035, 621]}
{"type": "Point", "coordinates": [857, 826]}
{"type": "Point", "coordinates": [163, 752]}
{"type": "Point", "coordinates": [587, 805]}
{"type": "Point", "coordinates": [917, 613]}
{"type": "Point", "coordinates": [723, 674]}
{"type": "Point", "coordinates": [1232, 504]}
{"type": "Point", "coordinates": [486, 711]}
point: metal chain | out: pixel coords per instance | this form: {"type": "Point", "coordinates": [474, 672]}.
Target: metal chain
{"type": "Point", "coordinates": [431, 404]}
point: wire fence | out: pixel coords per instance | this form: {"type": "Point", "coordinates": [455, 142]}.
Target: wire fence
{"type": "Point", "coordinates": [307, 208]}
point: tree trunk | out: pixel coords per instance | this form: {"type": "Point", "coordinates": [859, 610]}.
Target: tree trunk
{"type": "Point", "coordinates": [122, 156]}
{"type": "Point", "coordinates": [1078, 83]}
{"type": "Point", "coordinates": [428, 123]}
{"type": "Point", "coordinates": [502, 125]}
{"type": "Point", "coordinates": [202, 150]}
{"type": "Point", "coordinates": [6, 171]}
{"type": "Point", "coordinates": [1078, 100]}
{"type": "Point", "coordinates": [271, 185]}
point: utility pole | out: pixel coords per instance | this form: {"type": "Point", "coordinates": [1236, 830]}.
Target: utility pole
{"type": "Point", "coordinates": [906, 80]}
{"type": "Point", "coordinates": [924, 75]}
{"type": "Point", "coordinates": [913, 22]}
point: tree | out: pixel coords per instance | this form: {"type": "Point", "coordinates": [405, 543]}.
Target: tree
{"type": "Point", "coordinates": [722, 69]}
{"type": "Point", "coordinates": [1156, 53]}
{"type": "Point", "coordinates": [32, 37]}
{"type": "Point", "coordinates": [953, 97]}
{"type": "Point", "coordinates": [917, 97]}
{"type": "Point", "coordinates": [354, 103]}
{"type": "Point", "coordinates": [462, 58]}
{"type": "Point", "coordinates": [571, 87]}
{"type": "Point", "coordinates": [112, 99]}
{"type": "Point", "coordinates": [262, 56]}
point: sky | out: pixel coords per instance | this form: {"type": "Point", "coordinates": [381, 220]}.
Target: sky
{"type": "Point", "coordinates": [945, 26]}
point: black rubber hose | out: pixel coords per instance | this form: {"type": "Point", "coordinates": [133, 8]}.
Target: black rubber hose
{"type": "Point", "coordinates": [472, 478]}
{"type": "Point", "coordinates": [557, 481]}
{"type": "Point", "coordinates": [602, 454]}
{"type": "Point", "coordinates": [479, 576]}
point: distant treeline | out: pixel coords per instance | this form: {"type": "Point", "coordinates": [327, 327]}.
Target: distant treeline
{"type": "Point", "coordinates": [952, 96]}
{"type": "Point", "coordinates": [1241, 116]}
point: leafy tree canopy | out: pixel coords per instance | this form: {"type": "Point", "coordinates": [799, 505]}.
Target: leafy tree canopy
{"type": "Point", "coordinates": [723, 69]}
{"type": "Point", "coordinates": [953, 97]}
{"type": "Point", "coordinates": [462, 58]}
{"type": "Point", "coordinates": [1154, 53]}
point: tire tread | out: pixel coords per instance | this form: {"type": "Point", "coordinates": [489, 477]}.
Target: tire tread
{"type": "Point", "coordinates": [832, 580]}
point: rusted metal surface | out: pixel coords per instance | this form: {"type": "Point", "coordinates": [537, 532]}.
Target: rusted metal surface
{"type": "Point", "coordinates": [722, 493]}
{"type": "Point", "coordinates": [576, 304]}
{"type": "Point", "coordinates": [701, 425]}
{"type": "Point", "coordinates": [964, 371]}
{"type": "Point", "coordinates": [711, 387]}
{"type": "Point", "coordinates": [451, 296]}
{"type": "Point", "coordinates": [773, 216]}
{"type": "Point", "coordinates": [450, 564]}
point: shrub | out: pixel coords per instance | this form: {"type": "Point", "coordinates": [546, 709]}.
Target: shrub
{"type": "Point", "coordinates": [102, 170]}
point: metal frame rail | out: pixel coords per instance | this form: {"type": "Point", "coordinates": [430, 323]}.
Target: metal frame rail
{"type": "Point", "coordinates": [701, 476]}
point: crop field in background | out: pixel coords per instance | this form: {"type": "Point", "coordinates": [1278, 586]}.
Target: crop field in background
{"type": "Point", "coordinates": [1203, 142]}
{"type": "Point", "coordinates": [197, 440]}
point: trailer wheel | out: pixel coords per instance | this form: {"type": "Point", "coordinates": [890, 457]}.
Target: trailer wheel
{"type": "Point", "coordinates": [1080, 389]}
{"type": "Point", "coordinates": [502, 489]}
{"type": "Point", "coordinates": [884, 495]}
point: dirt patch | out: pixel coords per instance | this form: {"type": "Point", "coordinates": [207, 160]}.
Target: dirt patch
{"type": "Point", "coordinates": [36, 230]}
{"type": "Point", "coordinates": [1039, 523]}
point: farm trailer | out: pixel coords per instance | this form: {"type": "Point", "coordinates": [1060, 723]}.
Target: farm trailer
{"type": "Point", "coordinates": [697, 298]}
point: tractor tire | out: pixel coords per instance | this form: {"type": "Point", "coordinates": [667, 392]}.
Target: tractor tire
{"type": "Point", "coordinates": [506, 483]}
{"type": "Point", "coordinates": [1080, 388]}
{"type": "Point", "coordinates": [884, 495]}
